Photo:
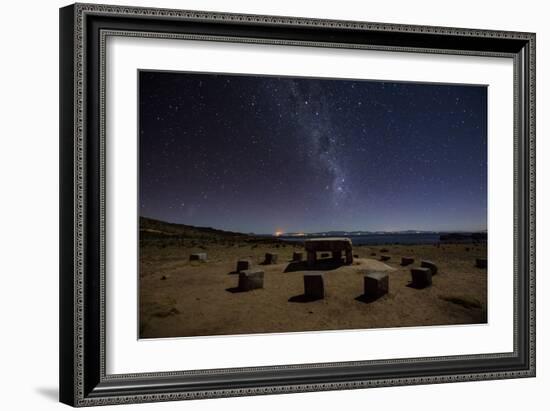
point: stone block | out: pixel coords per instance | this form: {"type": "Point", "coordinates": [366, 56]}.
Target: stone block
{"type": "Point", "coordinates": [251, 280]}
{"type": "Point", "coordinates": [407, 260]}
{"type": "Point", "coordinates": [421, 277]}
{"type": "Point", "coordinates": [198, 257]}
{"type": "Point", "coordinates": [430, 265]}
{"type": "Point", "coordinates": [376, 284]}
{"type": "Point", "coordinates": [271, 258]}
{"type": "Point", "coordinates": [243, 264]}
{"type": "Point", "coordinates": [314, 286]}
{"type": "Point", "coordinates": [297, 256]}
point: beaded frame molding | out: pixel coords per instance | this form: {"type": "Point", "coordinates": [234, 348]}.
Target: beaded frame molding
{"type": "Point", "coordinates": [83, 32]}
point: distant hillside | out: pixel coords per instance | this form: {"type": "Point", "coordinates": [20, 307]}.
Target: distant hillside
{"type": "Point", "coordinates": [151, 228]}
{"type": "Point", "coordinates": [155, 232]}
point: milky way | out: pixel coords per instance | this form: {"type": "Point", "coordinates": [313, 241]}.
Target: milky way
{"type": "Point", "coordinates": [259, 154]}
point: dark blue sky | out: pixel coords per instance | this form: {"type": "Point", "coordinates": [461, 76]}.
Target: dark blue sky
{"type": "Point", "coordinates": [260, 154]}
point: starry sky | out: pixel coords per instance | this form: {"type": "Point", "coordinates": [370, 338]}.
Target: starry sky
{"type": "Point", "coordinates": [260, 154]}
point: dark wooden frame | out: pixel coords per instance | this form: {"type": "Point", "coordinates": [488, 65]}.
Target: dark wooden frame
{"type": "Point", "coordinates": [83, 29]}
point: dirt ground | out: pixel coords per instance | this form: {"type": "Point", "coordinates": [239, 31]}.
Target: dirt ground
{"type": "Point", "coordinates": [179, 298]}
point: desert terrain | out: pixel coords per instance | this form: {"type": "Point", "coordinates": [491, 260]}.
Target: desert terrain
{"type": "Point", "coordinates": [182, 298]}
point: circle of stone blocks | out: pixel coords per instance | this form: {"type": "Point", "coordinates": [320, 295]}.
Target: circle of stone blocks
{"type": "Point", "coordinates": [376, 284]}
{"type": "Point", "coordinates": [421, 277]}
{"type": "Point", "coordinates": [243, 265]}
{"type": "Point", "coordinates": [314, 286]}
{"type": "Point", "coordinates": [384, 257]}
{"type": "Point", "coordinates": [430, 265]}
{"type": "Point", "coordinates": [197, 257]}
{"type": "Point", "coordinates": [407, 260]}
{"type": "Point", "coordinates": [481, 262]}
{"type": "Point", "coordinates": [297, 256]}
{"type": "Point", "coordinates": [271, 258]}
{"type": "Point", "coordinates": [251, 280]}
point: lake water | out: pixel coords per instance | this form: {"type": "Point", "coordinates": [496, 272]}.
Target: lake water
{"type": "Point", "coordinates": [376, 239]}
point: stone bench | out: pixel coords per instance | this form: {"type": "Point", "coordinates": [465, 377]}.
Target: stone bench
{"type": "Point", "coordinates": [430, 265]}
{"type": "Point", "coordinates": [251, 280]}
{"type": "Point", "coordinates": [376, 284]}
{"type": "Point", "coordinates": [197, 257]}
{"type": "Point", "coordinates": [314, 286]}
{"type": "Point", "coordinates": [421, 277]}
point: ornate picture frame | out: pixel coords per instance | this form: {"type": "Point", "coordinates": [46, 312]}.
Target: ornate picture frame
{"type": "Point", "coordinates": [84, 29]}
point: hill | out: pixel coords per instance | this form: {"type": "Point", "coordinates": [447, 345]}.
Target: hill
{"type": "Point", "coordinates": [150, 227]}
{"type": "Point", "coordinates": [151, 230]}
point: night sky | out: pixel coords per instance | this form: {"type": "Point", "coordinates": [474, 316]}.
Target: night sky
{"type": "Point", "coordinates": [261, 154]}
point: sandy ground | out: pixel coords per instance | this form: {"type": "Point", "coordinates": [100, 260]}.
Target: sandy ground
{"type": "Point", "coordinates": [179, 298]}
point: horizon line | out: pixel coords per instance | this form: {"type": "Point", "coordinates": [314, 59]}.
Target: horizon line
{"type": "Point", "coordinates": [274, 233]}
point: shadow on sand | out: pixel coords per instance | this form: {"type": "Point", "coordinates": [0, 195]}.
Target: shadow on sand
{"type": "Point", "coordinates": [367, 299]}
{"type": "Point", "coordinates": [320, 265]}
{"type": "Point", "coordinates": [417, 287]}
{"type": "Point", "coordinates": [235, 290]}
{"type": "Point", "coordinates": [302, 298]}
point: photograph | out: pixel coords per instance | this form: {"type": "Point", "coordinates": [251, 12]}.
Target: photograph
{"type": "Point", "coordinates": [278, 204]}
{"type": "Point", "coordinates": [260, 201]}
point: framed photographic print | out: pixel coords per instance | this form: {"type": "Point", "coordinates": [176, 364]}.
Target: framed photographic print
{"type": "Point", "coordinates": [262, 204]}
